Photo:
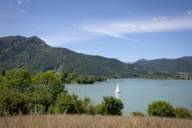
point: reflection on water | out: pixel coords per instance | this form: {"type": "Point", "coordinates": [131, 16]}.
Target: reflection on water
{"type": "Point", "coordinates": [117, 95]}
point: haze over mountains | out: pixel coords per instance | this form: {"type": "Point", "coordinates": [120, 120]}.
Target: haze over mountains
{"type": "Point", "coordinates": [35, 55]}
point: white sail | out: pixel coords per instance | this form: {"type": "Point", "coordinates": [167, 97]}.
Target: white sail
{"type": "Point", "coordinates": [117, 90]}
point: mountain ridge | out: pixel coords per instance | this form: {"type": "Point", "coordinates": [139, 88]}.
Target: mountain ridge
{"type": "Point", "coordinates": [33, 54]}
{"type": "Point", "coordinates": [176, 65]}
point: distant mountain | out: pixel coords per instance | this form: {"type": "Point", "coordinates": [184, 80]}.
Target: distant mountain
{"type": "Point", "coordinates": [35, 55]}
{"type": "Point", "coordinates": [183, 64]}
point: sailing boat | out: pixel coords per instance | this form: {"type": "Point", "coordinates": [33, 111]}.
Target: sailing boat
{"type": "Point", "coordinates": [117, 89]}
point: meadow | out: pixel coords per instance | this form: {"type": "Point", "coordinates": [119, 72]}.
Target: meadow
{"type": "Point", "coordinates": [88, 121]}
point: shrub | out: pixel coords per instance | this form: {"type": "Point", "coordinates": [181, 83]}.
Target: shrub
{"type": "Point", "coordinates": [161, 108]}
{"type": "Point", "coordinates": [69, 104]}
{"type": "Point", "coordinates": [51, 81]}
{"type": "Point", "coordinates": [182, 113]}
{"type": "Point", "coordinates": [13, 103]}
{"type": "Point", "coordinates": [110, 106]}
{"type": "Point", "coordinates": [18, 80]}
{"type": "Point", "coordinates": [87, 106]}
{"type": "Point", "coordinates": [99, 109]}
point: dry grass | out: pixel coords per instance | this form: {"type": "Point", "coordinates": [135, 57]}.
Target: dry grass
{"type": "Point", "coordinates": [85, 121]}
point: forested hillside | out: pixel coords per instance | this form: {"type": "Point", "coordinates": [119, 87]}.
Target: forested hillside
{"type": "Point", "coordinates": [35, 55]}
{"type": "Point", "coordinates": [183, 64]}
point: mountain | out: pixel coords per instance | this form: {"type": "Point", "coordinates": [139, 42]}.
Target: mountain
{"type": "Point", "coordinates": [34, 54]}
{"type": "Point", "coordinates": [183, 64]}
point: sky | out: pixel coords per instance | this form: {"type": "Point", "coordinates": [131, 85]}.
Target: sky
{"type": "Point", "coordinates": [124, 29]}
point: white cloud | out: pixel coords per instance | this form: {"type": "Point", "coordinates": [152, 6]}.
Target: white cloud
{"type": "Point", "coordinates": [122, 28]}
{"type": "Point", "coordinates": [105, 32]}
{"type": "Point", "coordinates": [116, 29]}
{"type": "Point", "coordinates": [19, 2]}
{"type": "Point", "coordinates": [58, 40]}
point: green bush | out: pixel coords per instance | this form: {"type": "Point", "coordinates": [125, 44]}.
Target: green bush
{"type": "Point", "coordinates": [51, 81]}
{"type": "Point", "coordinates": [99, 109]}
{"type": "Point", "coordinates": [52, 109]}
{"type": "Point", "coordinates": [42, 99]}
{"type": "Point", "coordinates": [109, 106]}
{"type": "Point", "coordinates": [18, 80]}
{"type": "Point", "coordinates": [161, 108]}
{"type": "Point", "coordinates": [13, 102]}
{"type": "Point", "coordinates": [182, 113]}
{"type": "Point", "coordinates": [15, 87]}
{"type": "Point", "coordinates": [69, 104]}
{"type": "Point", "coordinates": [87, 106]}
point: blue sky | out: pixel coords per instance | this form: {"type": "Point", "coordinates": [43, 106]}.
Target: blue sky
{"type": "Point", "coordinates": [124, 29]}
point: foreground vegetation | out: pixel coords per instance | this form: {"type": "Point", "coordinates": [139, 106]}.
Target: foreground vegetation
{"type": "Point", "coordinates": [43, 93]}
{"type": "Point", "coordinates": [87, 121]}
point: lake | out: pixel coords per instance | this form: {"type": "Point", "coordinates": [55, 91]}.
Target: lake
{"type": "Point", "coordinates": [137, 94]}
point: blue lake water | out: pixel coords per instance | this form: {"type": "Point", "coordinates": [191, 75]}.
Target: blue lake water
{"type": "Point", "coordinates": [137, 94]}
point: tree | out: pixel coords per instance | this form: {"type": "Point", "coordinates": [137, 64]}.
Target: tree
{"type": "Point", "coordinates": [64, 76]}
{"type": "Point", "coordinates": [18, 80]}
{"type": "Point", "coordinates": [182, 113]}
{"type": "Point", "coordinates": [161, 108]}
{"type": "Point", "coordinates": [13, 102]}
{"type": "Point", "coordinates": [42, 99]}
{"type": "Point", "coordinates": [47, 86]}
{"type": "Point", "coordinates": [110, 106]}
{"type": "Point", "coordinates": [3, 72]}
{"type": "Point", "coordinates": [72, 78]}
{"type": "Point", "coordinates": [15, 87]}
{"type": "Point", "coordinates": [51, 81]}
{"type": "Point", "coordinates": [87, 106]}
{"type": "Point", "coordinates": [69, 104]}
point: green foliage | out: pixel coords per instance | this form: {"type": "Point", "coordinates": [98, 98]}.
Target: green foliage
{"type": "Point", "coordinates": [15, 87]}
{"type": "Point", "coordinates": [73, 78]}
{"type": "Point", "coordinates": [47, 86]}
{"type": "Point", "coordinates": [2, 72]}
{"type": "Point", "coordinates": [182, 113]}
{"type": "Point", "coordinates": [20, 94]}
{"type": "Point", "coordinates": [161, 108]}
{"type": "Point", "coordinates": [183, 64]}
{"type": "Point", "coordinates": [85, 80]}
{"type": "Point", "coordinates": [110, 106]}
{"type": "Point", "coordinates": [23, 93]}
{"type": "Point", "coordinates": [87, 106]}
{"type": "Point", "coordinates": [50, 80]}
{"type": "Point", "coordinates": [42, 99]}
{"type": "Point", "coordinates": [99, 109]}
{"type": "Point", "coordinates": [13, 102]}
{"type": "Point", "coordinates": [18, 80]}
{"type": "Point", "coordinates": [69, 104]}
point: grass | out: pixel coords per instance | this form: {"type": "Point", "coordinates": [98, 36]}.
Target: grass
{"type": "Point", "coordinates": [86, 121]}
